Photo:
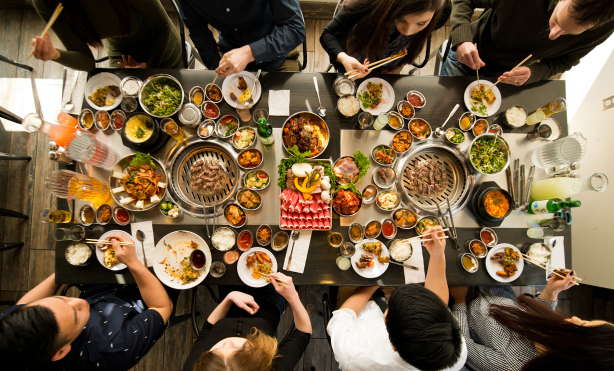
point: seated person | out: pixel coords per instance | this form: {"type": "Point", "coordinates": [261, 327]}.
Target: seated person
{"type": "Point", "coordinates": [508, 333]}
{"type": "Point", "coordinates": [239, 333]}
{"type": "Point", "coordinates": [417, 331]}
{"type": "Point", "coordinates": [363, 32]}
{"type": "Point", "coordinates": [557, 33]}
{"type": "Point", "coordinates": [139, 33]}
{"type": "Point", "coordinates": [108, 328]}
{"type": "Point", "coordinates": [253, 34]}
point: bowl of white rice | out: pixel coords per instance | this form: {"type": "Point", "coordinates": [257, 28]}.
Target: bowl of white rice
{"type": "Point", "coordinates": [223, 239]}
{"type": "Point", "coordinates": [79, 254]}
{"type": "Point", "coordinates": [515, 116]}
{"type": "Point", "coordinates": [539, 252]}
{"type": "Point", "coordinates": [400, 250]}
{"type": "Point", "coordinates": [348, 105]}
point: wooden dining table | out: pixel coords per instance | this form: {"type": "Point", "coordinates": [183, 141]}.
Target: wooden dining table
{"type": "Point", "coordinates": [442, 94]}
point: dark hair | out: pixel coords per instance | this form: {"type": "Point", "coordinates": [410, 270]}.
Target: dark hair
{"type": "Point", "coordinates": [562, 345]}
{"type": "Point", "coordinates": [29, 337]}
{"type": "Point", "coordinates": [74, 16]}
{"type": "Point", "coordinates": [592, 12]}
{"type": "Point", "coordinates": [422, 329]}
{"type": "Point", "coordinates": [372, 32]}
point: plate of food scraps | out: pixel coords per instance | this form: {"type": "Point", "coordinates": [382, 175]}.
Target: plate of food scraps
{"type": "Point", "coordinates": [254, 261]}
{"type": "Point", "coordinates": [236, 85]}
{"type": "Point", "coordinates": [101, 87]}
{"type": "Point", "coordinates": [107, 251]}
{"type": "Point", "coordinates": [379, 96]}
{"type": "Point", "coordinates": [172, 260]}
{"type": "Point", "coordinates": [482, 101]}
{"type": "Point", "coordinates": [371, 258]}
{"type": "Point", "coordinates": [504, 263]}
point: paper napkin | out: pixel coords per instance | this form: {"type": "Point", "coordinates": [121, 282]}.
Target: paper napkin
{"type": "Point", "coordinates": [279, 103]}
{"type": "Point", "coordinates": [299, 254]}
{"type": "Point", "coordinates": [148, 244]}
{"type": "Point", "coordinates": [557, 259]}
{"type": "Point", "coordinates": [78, 92]}
{"type": "Point", "coordinates": [416, 260]}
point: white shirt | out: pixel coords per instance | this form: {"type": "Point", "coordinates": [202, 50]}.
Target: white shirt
{"type": "Point", "coordinates": [361, 342]}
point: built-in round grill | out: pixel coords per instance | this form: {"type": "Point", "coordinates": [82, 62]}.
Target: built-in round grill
{"type": "Point", "coordinates": [178, 165]}
{"type": "Point", "coordinates": [459, 178]}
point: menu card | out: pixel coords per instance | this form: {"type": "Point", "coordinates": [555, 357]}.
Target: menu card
{"type": "Point", "coordinates": [299, 254]}
{"type": "Point", "coordinates": [416, 260]}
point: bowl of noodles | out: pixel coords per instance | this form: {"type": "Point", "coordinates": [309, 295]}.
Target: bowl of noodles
{"type": "Point", "coordinates": [138, 182]}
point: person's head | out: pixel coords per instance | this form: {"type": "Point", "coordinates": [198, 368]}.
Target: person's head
{"type": "Point", "coordinates": [78, 20]}
{"type": "Point", "coordinates": [572, 17]}
{"type": "Point", "coordinates": [564, 344]}
{"type": "Point", "coordinates": [232, 354]}
{"type": "Point", "coordinates": [422, 329]}
{"type": "Point", "coordinates": [409, 17]}
{"type": "Point", "coordinates": [42, 331]}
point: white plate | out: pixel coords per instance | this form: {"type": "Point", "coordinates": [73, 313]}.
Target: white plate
{"type": "Point", "coordinates": [387, 94]}
{"type": "Point", "coordinates": [245, 274]}
{"type": "Point", "coordinates": [100, 253]}
{"type": "Point", "coordinates": [180, 240]}
{"type": "Point", "coordinates": [98, 81]}
{"type": "Point", "coordinates": [492, 266]}
{"type": "Point", "coordinates": [378, 269]}
{"type": "Point", "coordinates": [230, 85]}
{"type": "Point", "coordinates": [492, 109]}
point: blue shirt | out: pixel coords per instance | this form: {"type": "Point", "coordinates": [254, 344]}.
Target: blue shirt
{"type": "Point", "coordinates": [271, 28]}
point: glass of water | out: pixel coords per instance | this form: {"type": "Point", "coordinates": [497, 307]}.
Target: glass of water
{"type": "Point", "coordinates": [218, 269]}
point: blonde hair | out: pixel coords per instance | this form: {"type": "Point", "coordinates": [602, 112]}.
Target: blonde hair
{"type": "Point", "coordinates": [256, 354]}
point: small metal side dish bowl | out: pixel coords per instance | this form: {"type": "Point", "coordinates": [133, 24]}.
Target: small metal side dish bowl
{"type": "Point", "coordinates": [434, 219]}
{"type": "Point", "coordinates": [383, 193]}
{"type": "Point", "coordinates": [203, 109]}
{"type": "Point", "coordinates": [242, 191]}
{"type": "Point", "coordinates": [476, 265]}
{"type": "Point", "coordinates": [218, 129]}
{"type": "Point", "coordinates": [492, 233]}
{"type": "Point", "coordinates": [367, 201]}
{"type": "Point", "coordinates": [239, 132]}
{"type": "Point", "coordinates": [207, 93]}
{"type": "Point", "coordinates": [454, 130]}
{"type": "Point", "coordinates": [379, 146]}
{"type": "Point", "coordinates": [82, 115]}
{"type": "Point", "coordinates": [394, 226]}
{"type": "Point", "coordinates": [420, 95]}
{"type": "Point", "coordinates": [99, 212]}
{"type": "Point", "coordinates": [245, 231]}
{"type": "Point", "coordinates": [360, 228]}
{"type": "Point", "coordinates": [430, 132]}
{"type": "Point", "coordinates": [409, 245]}
{"type": "Point", "coordinates": [160, 79]}
{"type": "Point", "coordinates": [260, 242]}
{"type": "Point", "coordinates": [219, 230]}
{"type": "Point", "coordinates": [411, 141]}
{"type": "Point", "coordinates": [245, 168]}
{"type": "Point", "coordinates": [405, 103]}
{"type": "Point", "coordinates": [240, 208]}
{"type": "Point", "coordinates": [377, 180]}
{"type": "Point", "coordinates": [210, 125]}
{"type": "Point", "coordinates": [285, 244]}
{"type": "Point", "coordinates": [193, 91]}
{"type": "Point", "coordinates": [379, 224]}
{"type": "Point", "coordinates": [398, 117]}
{"type": "Point", "coordinates": [408, 211]}
{"type": "Point", "coordinates": [98, 118]}
{"type": "Point", "coordinates": [247, 173]}
{"type": "Point", "coordinates": [472, 119]}
{"type": "Point", "coordinates": [506, 156]}
{"type": "Point", "coordinates": [484, 252]}
{"type": "Point", "coordinates": [348, 97]}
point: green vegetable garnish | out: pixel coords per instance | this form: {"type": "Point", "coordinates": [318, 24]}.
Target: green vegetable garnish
{"type": "Point", "coordinates": [351, 187]}
{"type": "Point", "coordinates": [140, 133]}
{"type": "Point", "coordinates": [479, 107]}
{"type": "Point", "coordinates": [286, 163]}
{"type": "Point", "coordinates": [486, 155]}
{"type": "Point", "coordinates": [141, 159]}
{"type": "Point", "coordinates": [368, 97]}
{"type": "Point", "coordinates": [163, 100]}
{"type": "Point", "coordinates": [363, 163]}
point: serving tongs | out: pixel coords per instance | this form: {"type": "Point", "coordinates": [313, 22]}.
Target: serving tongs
{"type": "Point", "coordinates": [450, 225]}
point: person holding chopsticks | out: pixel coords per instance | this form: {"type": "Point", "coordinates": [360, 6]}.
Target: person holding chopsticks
{"type": "Point", "coordinates": [239, 333]}
{"type": "Point", "coordinates": [139, 34]}
{"type": "Point", "coordinates": [365, 31]}
{"type": "Point", "coordinates": [558, 33]}
{"type": "Point", "coordinates": [509, 333]}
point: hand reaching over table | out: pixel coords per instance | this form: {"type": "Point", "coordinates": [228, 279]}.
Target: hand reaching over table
{"type": "Point", "coordinates": [557, 284]}
{"type": "Point", "coordinates": [125, 253]}
{"type": "Point", "coordinates": [438, 245]}
{"type": "Point", "coordinates": [517, 77]}
{"type": "Point", "coordinates": [235, 61]}
{"type": "Point", "coordinates": [351, 63]}
{"type": "Point", "coordinates": [468, 55]}
{"type": "Point", "coordinates": [288, 293]}
{"type": "Point", "coordinates": [130, 62]}
{"type": "Point", "coordinates": [43, 48]}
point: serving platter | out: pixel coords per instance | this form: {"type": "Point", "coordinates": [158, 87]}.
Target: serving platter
{"type": "Point", "coordinates": [378, 269]}
{"type": "Point", "coordinates": [163, 255]}
{"type": "Point", "coordinates": [245, 274]}
{"type": "Point", "coordinates": [492, 266]}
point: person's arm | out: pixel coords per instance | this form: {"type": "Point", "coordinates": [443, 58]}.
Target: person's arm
{"type": "Point", "coordinates": [301, 317]}
{"type": "Point", "coordinates": [461, 34]}
{"type": "Point", "coordinates": [357, 301]}
{"type": "Point", "coordinates": [555, 286]}
{"type": "Point", "coordinates": [77, 55]}
{"type": "Point", "coordinates": [436, 274]}
{"type": "Point", "coordinates": [241, 300]}
{"type": "Point", "coordinates": [152, 291]}
{"type": "Point", "coordinates": [154, 12]}
{"type": "Point", "coordinates": [201, 35]}
{"type": "Point", "coordinates": [43, 290]}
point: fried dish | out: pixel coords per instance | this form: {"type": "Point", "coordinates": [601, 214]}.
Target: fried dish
{"type": "Point", "coordinates": [260, 263]}
{"type": "Point", "coordinates": [346, 202]}
{"type": "Point", "coordinates": [373, 249]}
{"type": "Point", "coordinates": [242, 84]}
{"type": "Point", "coordinates": [508, 259]}
{"type": "Point", "coordinates": [141, 182]}
{"type": "Point", "coordinates": [305, 132]}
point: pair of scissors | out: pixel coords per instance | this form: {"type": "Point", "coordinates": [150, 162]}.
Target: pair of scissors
{"type": "Point", "coordinates": [452, 229]}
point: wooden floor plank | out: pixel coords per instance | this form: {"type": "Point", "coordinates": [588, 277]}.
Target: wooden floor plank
{"type": "Point", "coordinates": [13, 296]}
{"type": "Point", "coordinates": [178, 338]}
{"type": "Point", "coordinates": [42, 265]}
{"type": "Point", "coordinates": [10, 27]}
{"type": "Point", "coordinates": [321, 58]}
{"type": "Point", "coordinates": [204, 304]}
{"type": "Point", "coordinates": [154, 360]}
{"type": "Point", "coordinates": [313, 304]}
{"type": "Point", "coordinates": [32, 25]}
{"type": "Point", "coordinates": [311, 37]}
{"type": "Point", "coordinates": [317, 356]}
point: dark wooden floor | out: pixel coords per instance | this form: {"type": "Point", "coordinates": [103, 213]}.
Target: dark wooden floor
{"type": "Point", "coordinates": [22, 189]}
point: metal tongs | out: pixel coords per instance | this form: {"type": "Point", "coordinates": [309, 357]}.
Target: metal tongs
{"type": "Point", "coordinates": [452, 229]}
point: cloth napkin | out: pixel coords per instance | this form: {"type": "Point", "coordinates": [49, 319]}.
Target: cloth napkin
{"type": "Point", "coordinates": [557, 259]}
{"type": "Point", "coordinates": [299, 256]}
{"type": "Point", "coordinates": [79, 91]}
{"type": "Point", "coordinates": [148, 244]}
{"type": "Point", "coordinates": [417, 260]}
{"type": "Point", "coordinates": [279, 104]}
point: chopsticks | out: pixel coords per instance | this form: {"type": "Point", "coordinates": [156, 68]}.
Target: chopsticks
{"type": "Point", "coordinates": [105, 242]}
{"type": "Point", "coordinates": [512, 70]}
{"type": "Point", "coordinates": [420, 238]}
{"type": "Point", "coordinates": [547, 267]}
{"type": "Point", "coordinates": [477, 72]}
{"type": "Point", "coordinates": [405, 265]}
{"type": "Point", "coordinates": [281, 283]}
{"type": "Point", "coordinates": [54, 16]}
{"type": "Point", "coordinates": [379, 63]}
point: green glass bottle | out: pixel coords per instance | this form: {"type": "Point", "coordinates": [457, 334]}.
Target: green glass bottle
{"type": "Point", "coordinates": [265, 132]}
{"type": "Point", "coordinates": [551, 206]}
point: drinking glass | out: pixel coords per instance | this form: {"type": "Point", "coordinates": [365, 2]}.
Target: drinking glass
{"type": "Point", "coordinates": [342, 263]}
{"type": "Point", "coordinates": [79, 232]}
{"type": "Point", "coordinates": [547, 110]}
{"type": "Point", "coordinates": [562, 151]}
{"type": "Point", "coordinates": [84, 147]}
{"type": "Point", "coordinates": [365, 119]}
{"type": "Point", "coordinates": [330, 235]}
{"type": "Point", "coordinates": [539, 233]}
{"type": "Point", "coordinates": [347, 249]}
{"type": "Point", "coordinates": [170, 127]}
{"type": "Point", "coordinates": [129, 104]}
{"type": "Point", "coordinates": [218, 269]}
{"type": "Point", "coordinates": [557, 223]}
{"type": "Point", "coordinates": [244, 112]}
{"type": "Point", "coordinates": [61, 234]}
{"type": "Point", "coordinates": [260, 113]}
{"type": "Point", "coordinates": [548, 129]}
{"type": "Point", "coordinates": [68, 184]}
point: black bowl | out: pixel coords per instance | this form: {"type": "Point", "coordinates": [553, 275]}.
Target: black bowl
{"type": "Point", "coordinates": [154, 136]}
{"type": "Point", "coordinates": [481, 209]}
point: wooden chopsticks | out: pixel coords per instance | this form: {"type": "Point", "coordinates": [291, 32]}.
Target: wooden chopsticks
{"type": "Point", "coordinates": [512, 70]}
{"type": "Point", "coordinates": [281, 283]}
{"type": "Point", "coordinates": [54, 16]}
{"type": "Point", "coordinates": [420, 238]}
{"type": "Point", "coordinates": [377, 64]}
{"type": "Point", "coordinates": [477, 72]}
{"type": "Point", "coordinates": [547, 267]}
{"type": "Point", "coordinates": [105, 242]}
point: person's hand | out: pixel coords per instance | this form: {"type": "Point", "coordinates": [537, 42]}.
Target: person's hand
{"type": "Point", "coordinates": [288, 293]}
{"type": "Point", "coordinates": [351, 64]}
{"type": "Point", "coordinates": [130, 62]}
{"type": "Point", "coordinates": [468, 55]}
{"type": "Point", "coordinates": [459, 293]}
{"type": "Point", "coordinates": [438, 244]}
{"type": "Point", "coordinates": [125, 253]}
{"type": "Point", "coordinates": [517, 77]}
{"type": "Point", "coordinates": [243, 301]}
{"type": "Point", "coordinates": [557, 284]}
{"type": "Point", "coordinates": [235, 61]}
{"type": "Point", "coordinates": [43, 48]}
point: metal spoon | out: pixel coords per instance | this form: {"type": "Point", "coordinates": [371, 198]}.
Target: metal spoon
{"type": "Point", "coordinates": [250, 102]}
{"type": "Point", "coordinates": [439, 131]}
{"type": "Point", "coordinates": [141, 237]}
{"type": "Point", "coordinates": [321, 109]}
{"type": "Point", "coordinates": [295, 235]}
{"type": "Point", "coordinates": [69, 106]}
